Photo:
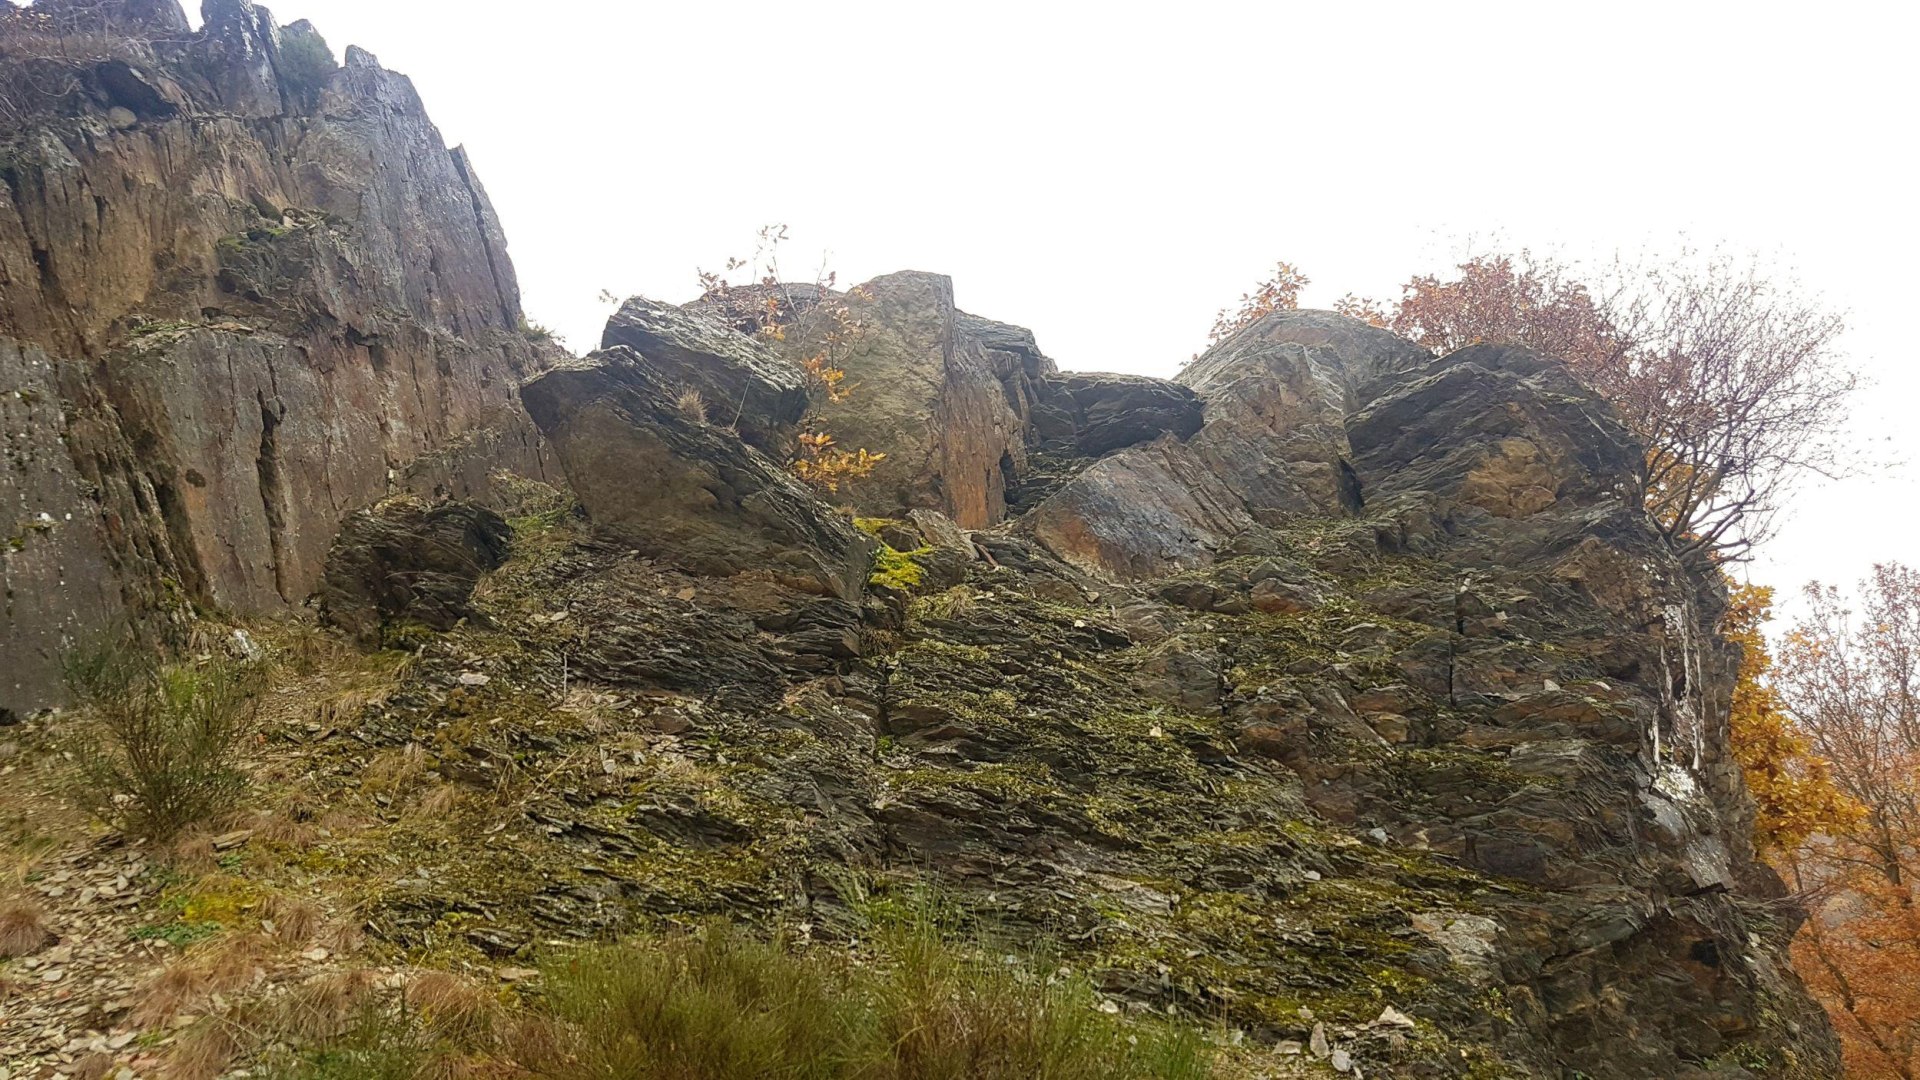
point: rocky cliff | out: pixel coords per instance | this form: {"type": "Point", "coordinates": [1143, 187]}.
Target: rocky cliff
{"type": "Point", "coordinates": [244, 291]}
{"type": "Point", "coordinates": [1333, 692]}
{"type": "Point", "coordinates": [1328, 679]}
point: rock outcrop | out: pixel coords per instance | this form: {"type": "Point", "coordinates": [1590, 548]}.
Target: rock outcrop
{"type": "Point", "coordinates": [658, 474]}
{"type": "Point", "coordinates": [403, 566]}
{"type": "Point", "coordinates": [738, 382]}
{"type": "Point", "coordinates": [244, 291]}
{"type": "Point", "coordinates": [1376, 689]}
{"type": "Point", "coordinates": [1332, 690]}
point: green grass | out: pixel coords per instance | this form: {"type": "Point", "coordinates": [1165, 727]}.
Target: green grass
{"type": "Point", "coordinates": [715, 1004]}
{"type": "Point", "coordinates": [718, 1006]}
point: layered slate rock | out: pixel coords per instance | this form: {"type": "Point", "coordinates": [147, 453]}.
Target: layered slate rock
{"type": "Point", "coordinates": [1255, 434]}
{"type": "Point", "coordinates": [261, 293]}
{"type": "Point", "coordinates": [940, 393]}
{"type": "Point", "coordinates": [1456, 746]}
{"type": "Point", "coordinates": [653, 473]}
{"type": "Point", "coordinates": [1277, 394]}
{"type": "Point", "coordinates": [404, 564]}
{"type": "Point", "coordinates": [1143, 512]}
{"type": "Point", "coordinates": [1097, 413]}
{"type": "Point", "coordinates": [740, 382]}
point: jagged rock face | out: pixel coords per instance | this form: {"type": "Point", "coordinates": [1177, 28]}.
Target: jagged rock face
{"type": "Point", "coordinates": [654, 473]}
{"type": "Point", "coordinates": [739, 381]}
{"type": "Point", "coordinates": [1097, 413]}
{"type": "Point", "coordinates": [264, 294]}
{"type": "Point", "coordinates": [1415, 710]}
{"type": "Point", "coordinates": [942, 393]}
{"type": "Point", "coordinates": [404, 565]}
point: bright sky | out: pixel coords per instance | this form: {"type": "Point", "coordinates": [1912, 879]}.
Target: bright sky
{"type": "Point", "coordinates": [1112, 174]}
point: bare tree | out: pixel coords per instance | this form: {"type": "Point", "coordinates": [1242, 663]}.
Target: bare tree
{"type": "Point", "coordinates": [1734, 381]}
{"type": "Point", "coordinates": [1852, 682]}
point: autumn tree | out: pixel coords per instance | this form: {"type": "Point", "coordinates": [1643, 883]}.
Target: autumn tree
{"type": "Point", "coordinates": [1851, 681]}
{"type": "Point", "coordinates": [809, 322]}
{"type": "Point", "coordinates": [1793, 791]}
{"type": "Point", "coordinates": [1732, 380]}
{"type": "Point", "coordinates": [1280, 292]}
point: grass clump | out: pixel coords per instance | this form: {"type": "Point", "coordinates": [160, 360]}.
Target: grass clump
{"type": "Point", "coordinates": [718, 1006]}
{"type": "Point", "coordinates": [160, 743]}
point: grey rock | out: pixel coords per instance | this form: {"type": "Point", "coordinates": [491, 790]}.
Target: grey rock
{"type": "Point", "coordinates": [406, 563]}
{"type": "Point", "coordinates": [685, 490]}
{"type": "Point", "coordinates": [741, 383]}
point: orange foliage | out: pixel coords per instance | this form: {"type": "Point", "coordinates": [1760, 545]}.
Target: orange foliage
{"type": "Point", "coordinates": [812, 320]}
{"type": "Point", "coordinates": [1793, 792]}
{"type": "Point", "coordinates": [827, 467]}
{"type": "Point", "coordinates": [1281, 292]}
{"type": "Point", "coordinates": [1854, 688]}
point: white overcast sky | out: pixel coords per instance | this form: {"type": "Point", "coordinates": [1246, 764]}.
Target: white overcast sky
{"type": "Point", "coordinates": [1111, 174]}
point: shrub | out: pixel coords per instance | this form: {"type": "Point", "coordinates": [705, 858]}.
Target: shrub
{"type": "Point", "coordinates": [160, 742]}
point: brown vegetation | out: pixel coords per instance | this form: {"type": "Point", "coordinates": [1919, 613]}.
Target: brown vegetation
{"type": "Point", "coordinates": [1732, 379]}
{"type": "Point", "coordinates": [23, 929]}
{"type": "Point", "coordinates": [1852, 681]}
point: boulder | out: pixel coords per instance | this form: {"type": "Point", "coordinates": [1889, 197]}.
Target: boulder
{"type": "Point", "coordinates": [739, 381]}
{"type": "Point", "coordinates": [682, 489]}
{"type": "Point", "coordinates": [1496, 431]}
{"type": "Point", "coordinates": [1277, 395]}
{"type": "Point", "coordinates": [936, 391]}
{"type": "Point", "coordinates": [1097, 413]}
{"type": "Point", "coordinates": [404, 562]}
{"type": "Point", "coordinates": [1143, 512]}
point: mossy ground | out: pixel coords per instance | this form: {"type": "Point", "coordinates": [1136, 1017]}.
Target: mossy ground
{"type": "Point", "coordinates": [1000, 751]}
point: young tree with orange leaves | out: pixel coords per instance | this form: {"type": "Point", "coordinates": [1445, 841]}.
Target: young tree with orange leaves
{"type": "Point", "coordinates": [1852, 682]}
{"type": "Point", "coordinates": [814, 325]}
{"type": "Point", "coordinates": [1793, 792]}
{"type": "Point", "coordinates": [1281, 292]}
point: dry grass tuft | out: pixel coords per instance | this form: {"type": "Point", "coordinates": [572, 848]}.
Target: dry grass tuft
{"type": "Point", "coordinates": [205, 1050]}
{"type": "Point", "coordinates": [23, 929]}
{"type": "Point", "coordinates": [692, 406]}
{"type": "Point", "coordinates": [343, 936]}
{"type": "Point", "coordinates": [325, 1005]}
{"type": "Point", "coordinates": [440, 803]}
{"type": "Point", "coordinates": [295, 921]}
{"type": "Point", "coordinates": [219, 966]}
{"type": "Point", "coordinates": [393, 771]}
{"type": "Point", "coordinates": [192, 852]}
{"type": "Point", "coordinates": [454, 1008]}
{"type": "Point", "coordinates": [285, 828]}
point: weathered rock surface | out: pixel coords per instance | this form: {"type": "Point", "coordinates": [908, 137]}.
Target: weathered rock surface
{"type": "Point", "coordinates": [1097, 413]}
{"type": "Point", "coordinates": [405, 563]}
{"type": "Point", "coordinates": [1334, 690]}
{"type": "Point", "coordinates": [252, 291]}
{"type": "Point", "coordinates": [741, 383]}
{"type": "Point", "coordinates": [941, 393]}
{"type": "Point", "coordinates": [1146, 511]}
{"type": "Point", "coordinates": [1410, 712]}
{"type": "Point", "coordinates": [1273, 445]}
{"type": "Point", "coordinates": [682, 489]}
